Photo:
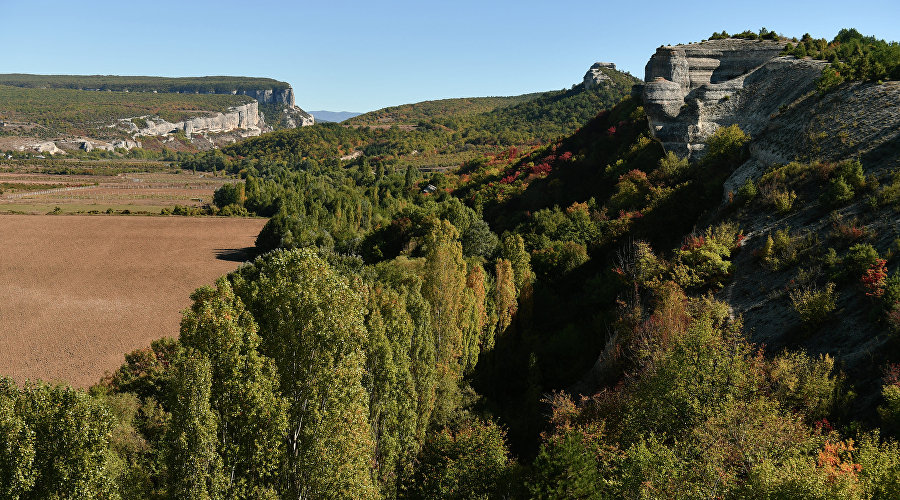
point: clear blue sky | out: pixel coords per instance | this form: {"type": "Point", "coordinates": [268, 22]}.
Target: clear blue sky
{"type": "Point", "coordinates": [343, 55]}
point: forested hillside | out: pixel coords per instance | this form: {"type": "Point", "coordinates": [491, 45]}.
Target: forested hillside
{"type": "Point", "coordinates": [554, 319]}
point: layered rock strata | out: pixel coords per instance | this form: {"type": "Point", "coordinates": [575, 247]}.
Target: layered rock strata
{"type": "Point", "coordinates": [240, 117]}
{"type": "Point", "coordinates": [691, 90]}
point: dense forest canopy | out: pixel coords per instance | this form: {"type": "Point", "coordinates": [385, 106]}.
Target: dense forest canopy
{"type": "Point", "coordinates": [544, 321]}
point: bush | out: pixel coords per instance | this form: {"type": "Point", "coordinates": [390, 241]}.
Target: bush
{"type": "Point", "coordinates": [859, 259]}
{"type": "Point", "coordinates": [813, 305]}
{"type": "Point", "coordinates": [747, 192]}
{"type": "Point", "coordinates": [726, 144]}
{"type": "Point", "coordinates": [783, 201]}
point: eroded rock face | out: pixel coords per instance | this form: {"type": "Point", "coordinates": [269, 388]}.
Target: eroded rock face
{"type": "Point", "coordinates": [595, 76]}
{"type": "Point", "coordinates": [269, 96]}
{"type": "Point", "coordinates": [241, 117]}
{"type": "Point", "coordinates": [691, 90]}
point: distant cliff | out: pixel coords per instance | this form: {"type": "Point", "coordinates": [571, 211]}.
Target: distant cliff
{"type": "Point", "coordinates": [244, 117]}
{"type": "Point", "coordinates": [276, 97]}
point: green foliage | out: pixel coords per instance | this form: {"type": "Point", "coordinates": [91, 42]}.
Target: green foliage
{"type": "Point", "coordinates": [813, 305]}
{"type": "Point", "coordinates": [703, 261]}
{"type": "Point", "coordinates": [54, 443]}
{"type": "Point", "coordinates": [468, 462]}
{"type": "Point", "coordinates": [726, 144]}
{"type": "Point", "coordinates": [312, 324]}
{"type": "Point", "coordinates": [243, 393]}
{"type": "Point", "coordinates": [853, 57]}
{"type": "Point", "coordinates": [229, 194]}
{"type": "Point", "coordinates": [195, 468]}
{"type": "Point", "coordinates": [747, 191]}
{"type": "Point", "coordinates": [859, 258]}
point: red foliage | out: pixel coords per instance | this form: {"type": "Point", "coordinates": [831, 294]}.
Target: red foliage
{"type": "Point", "coordinates": [566, 156]}
{"type": "Point", "coordinates": [611, 131]}
{"type": "Point", "coordinates": [837, 459]}
{"type": "Point", "coordinates": [543, 168]}
{"type": "Point", "coordinates": [509, 178]}
{"type": "Point", "coordinates": [634, 176]}
{"type": "Point", "coordinates": [850, 231]}
{"type": "Point", "coordinates": [875, 278]}
{"type": "Point", "coordinates": [693, 243]}
{"type": "Point", "coordinates": [739, 240]}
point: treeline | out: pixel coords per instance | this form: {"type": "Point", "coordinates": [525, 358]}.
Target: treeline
{"type": "Point", "coordinates": [204, 84]}
{"type": "Point", "coordinates": [853, 57]}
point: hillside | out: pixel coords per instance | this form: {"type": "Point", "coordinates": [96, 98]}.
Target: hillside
{"type": "Point", "coordinates": [685, 290]}
{"type": "Point", "coordinates": [53, 112]}
{"type": "Point", "coordinates": [410, 115]}
{"type": "Point", "coordinates": [187, 85]}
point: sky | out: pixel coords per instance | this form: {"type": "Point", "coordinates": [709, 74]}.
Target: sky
{"type": "Point", "coordinates": [343, 55]}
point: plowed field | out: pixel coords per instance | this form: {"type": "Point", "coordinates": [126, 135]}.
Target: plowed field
{"type": "Point", "coordinates": [78, 292]}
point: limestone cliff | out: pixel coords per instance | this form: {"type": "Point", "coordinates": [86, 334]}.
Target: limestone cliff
{"type": "Point", "coordinates": [691, 90]}
{"type": "Point", "coordinates": [245, 117]}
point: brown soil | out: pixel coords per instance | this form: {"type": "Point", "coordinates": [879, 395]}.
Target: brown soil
{"type": "Point", "coordinates": [78, 292]}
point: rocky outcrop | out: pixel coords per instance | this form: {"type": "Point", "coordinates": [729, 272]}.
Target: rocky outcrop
{"type": "Point", "coordinates": [284, 97]}
{"type": "Point", "coordinates": [244, 117]}
{"type": "Point", "coordinates": [691, 90]}
{"type": "Point", "coordinates": [595, 75]}
{"type": "Point", "coordinates": [42, 147]}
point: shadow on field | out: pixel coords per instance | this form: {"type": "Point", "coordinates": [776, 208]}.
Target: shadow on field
{"type": "Point", "coordinates": [236, 254]}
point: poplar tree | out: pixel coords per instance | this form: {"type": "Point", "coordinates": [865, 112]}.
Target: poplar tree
{"type": "Point", "coordinates": [195, 468]}
{"type": "Point", "coordinates": [311, 324]}
{"type": "Point", "coordinates": [244, 395]}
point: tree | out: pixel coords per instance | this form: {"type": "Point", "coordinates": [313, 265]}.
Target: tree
{"type": "Point", "coordinates": [470, 462]}
{"type": "Point", "coordinates": [195, 467]}
{"type": "Point", "coordinates": [17, 473]}
{"type": "Point", "coordinates": [444, 287]}
{"type": "Point", "coordinates": [311, 323]}
{"type": "Point", "coordinates": [505, 295]}
{"type": "Point", "coordinates": [251, 415]}
{"type": "Point", "coordinates": [54, 443]}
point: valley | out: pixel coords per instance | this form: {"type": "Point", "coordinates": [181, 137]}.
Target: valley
{"type": "Point", "coordinates": [681, 286]}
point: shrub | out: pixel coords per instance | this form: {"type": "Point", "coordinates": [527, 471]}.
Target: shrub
{"type": "Point", "coordinates": [860, 258]}
{"type": "Point", "coordinates": [890, 410]}
{"type": "Point", "coordinates": [726, 144]}
{"type": "Point", "coordinates": [783, 201]}
{"type": "Point", "coordinates": [839, 193]}
{"type": "Point", "coordinates": [703, 260]}
{"type": "Point", "coordinates": [747, 192]}
{"type": "Point", "coordinates": [813, 305]}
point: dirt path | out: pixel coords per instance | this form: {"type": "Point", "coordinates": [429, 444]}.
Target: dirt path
{"type": "Point", "coordinates": [78, 292]}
